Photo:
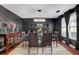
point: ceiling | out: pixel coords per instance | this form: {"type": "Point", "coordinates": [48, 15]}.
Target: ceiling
{"type": "Point", "coordinates": [30, 10]}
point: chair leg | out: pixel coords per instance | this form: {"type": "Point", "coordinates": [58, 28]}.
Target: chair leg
{"type": "Point", "coordinates": [51, 48]}
{"type": "Point", "coordinates": [29, 48]}
{"type": "Point", "coordinates": [37, 46]}
{"type": "Point", "coordinates": [37, 49]}
{"type": "Point", "coordinates": [56, 44]}
{"type": "Point", "coordinates": [42, 47]}
{"type": "Point", "coordinates": [42, 50]}
{"type": "Point", "coordinates": [22, 44]}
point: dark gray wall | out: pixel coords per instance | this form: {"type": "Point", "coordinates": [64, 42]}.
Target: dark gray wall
{"type": "Point", "coordinates": [7, 16]}
{"type": "Point", "coordinates": [58, 27]}
{"type": "Point", "coordinates": [28, 21]}
{"type": "Point", "coordinates": [77, 12]}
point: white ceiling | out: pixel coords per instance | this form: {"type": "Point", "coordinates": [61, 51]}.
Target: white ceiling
{"type": "Point", "coordinates": [30, 10]}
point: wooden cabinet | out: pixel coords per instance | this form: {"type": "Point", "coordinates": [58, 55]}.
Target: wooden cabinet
{"type": "Point", "coordinates": [16, 37]}
{"type": "Point", "coordinates": [2, 42]}
{"type": "Point", "coordinates": [10, 40]}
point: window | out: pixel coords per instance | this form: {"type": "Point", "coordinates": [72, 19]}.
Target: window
{"type": "Point", "coordinates": [63, 27]}
{"type": "Point", "coordinates": [72, 27]}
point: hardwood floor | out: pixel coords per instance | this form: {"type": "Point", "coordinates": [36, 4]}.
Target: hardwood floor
{"type": "Point", "coordinates": [11, 49]}
{"type": "Point", "coordinates": [70, 49]}
{"type": "Point", "coordinates": [60, 50]}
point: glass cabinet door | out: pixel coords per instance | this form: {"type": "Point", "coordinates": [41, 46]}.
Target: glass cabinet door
{"type": "Point", "coordinates": [2, 43]}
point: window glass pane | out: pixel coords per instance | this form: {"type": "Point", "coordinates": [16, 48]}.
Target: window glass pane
{"type": "Point", "coordinates": [72, 29]}
{"type": "Point", "coordinates": [63, 27]}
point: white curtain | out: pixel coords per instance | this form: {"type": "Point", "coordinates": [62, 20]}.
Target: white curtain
{"type": "Point", "coordinates": [63, 27]}
{"type": "Point", "coordinates": [72, 27]}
